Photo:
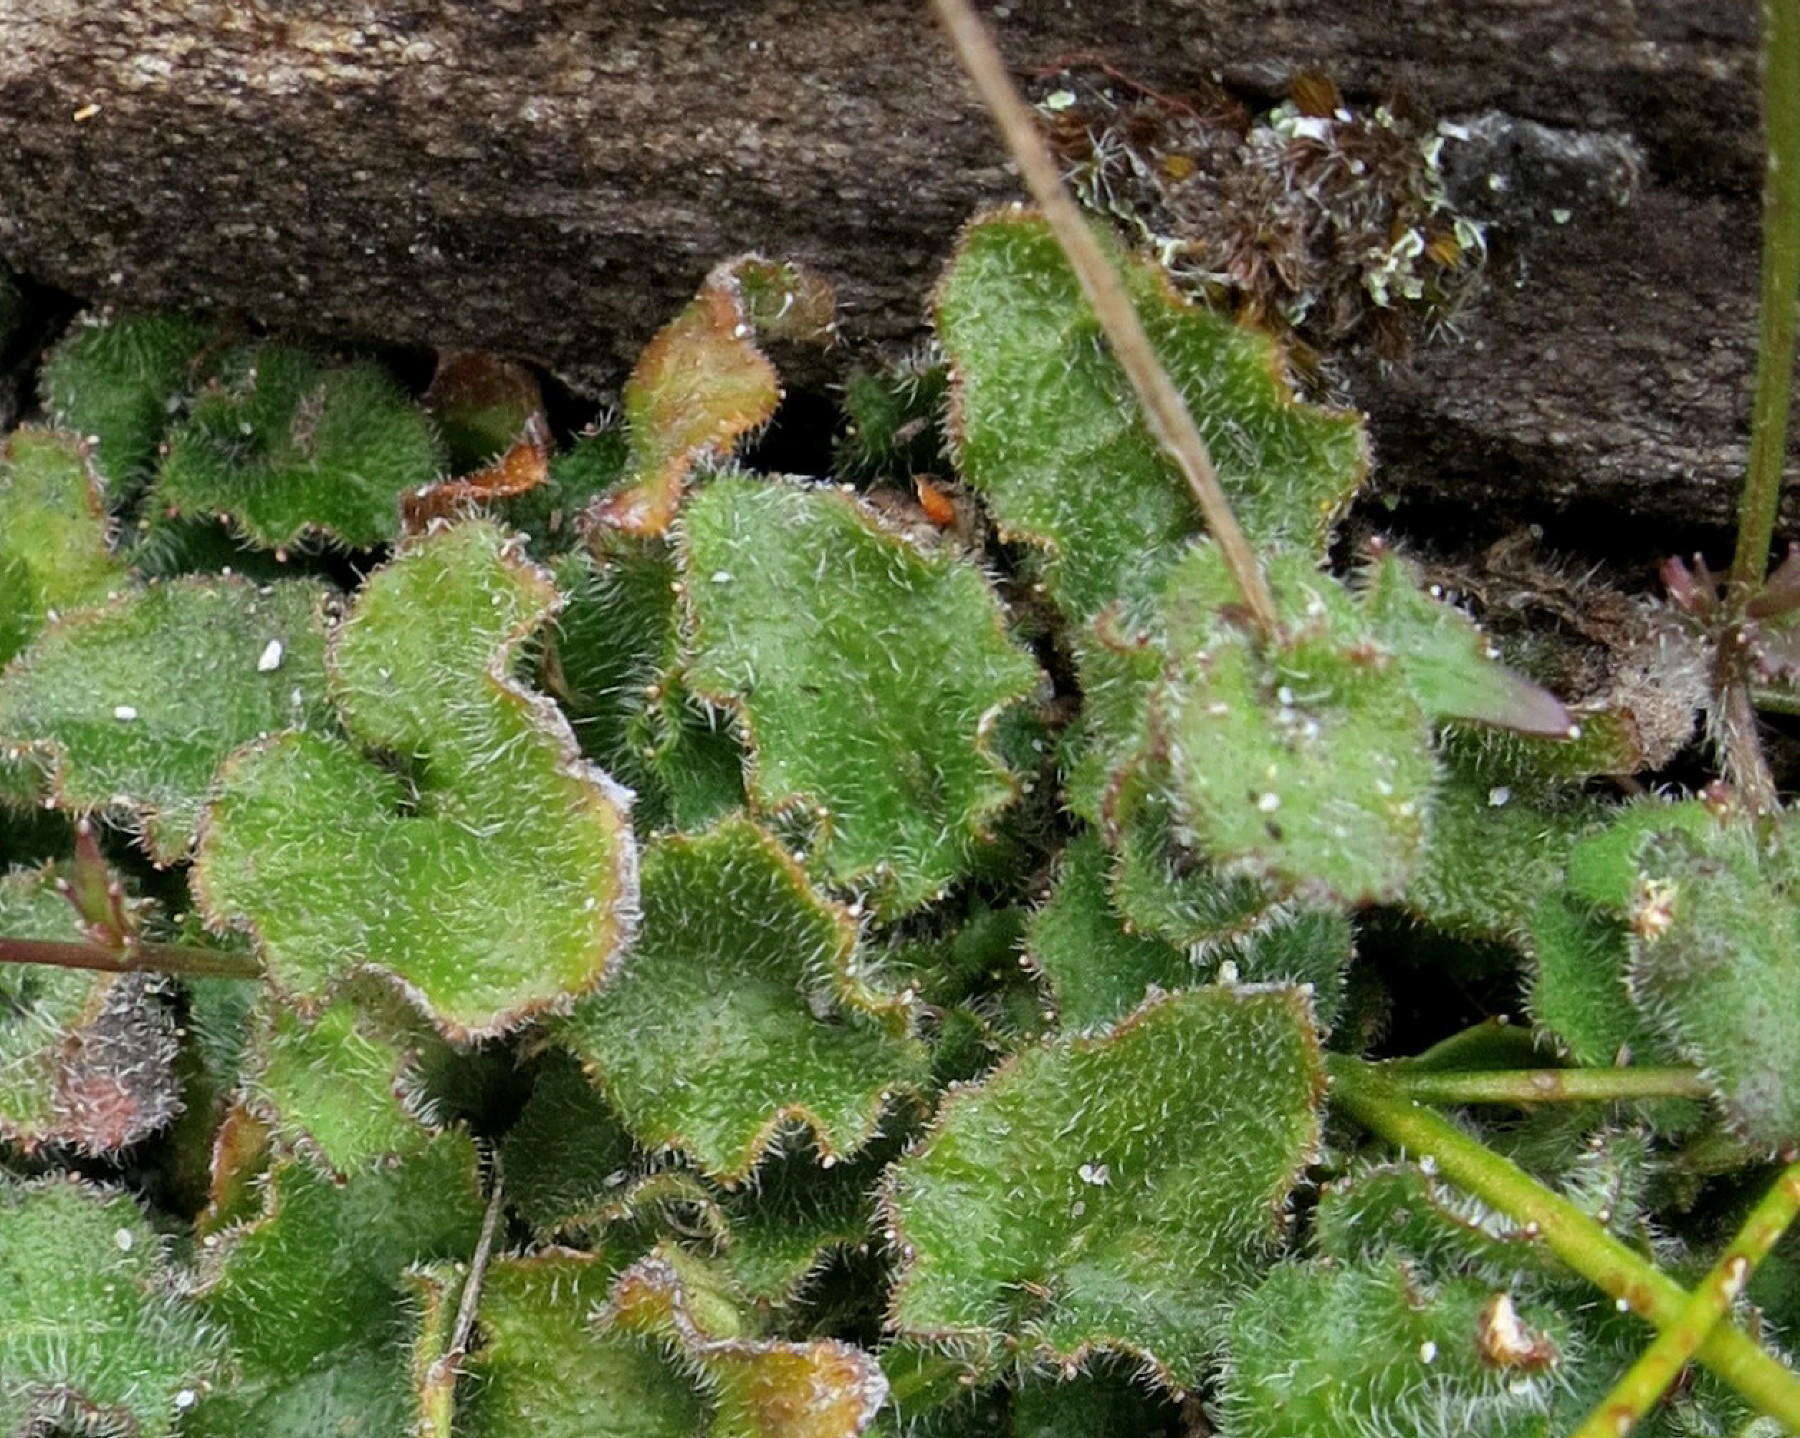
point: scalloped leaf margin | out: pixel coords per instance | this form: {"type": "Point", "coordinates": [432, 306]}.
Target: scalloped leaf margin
{"type": "Point", "coordinates": [497, 877]}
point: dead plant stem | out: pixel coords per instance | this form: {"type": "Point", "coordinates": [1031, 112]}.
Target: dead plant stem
{"type": "Point", "coordinates": [1164, 409]}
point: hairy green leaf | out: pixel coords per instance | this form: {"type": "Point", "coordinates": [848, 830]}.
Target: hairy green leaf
{"type": "Point", "coordinates": [740, 1008]}
{"type": "Point", "coordinates": [701, 384]}
{"type": "Point", "coordinates": [1045, 429]}
{"type": "Point", "coordinates": [934, 1393]}
{"type": "Point", "coordinates": [1162, 888]}
{"type": "Point", "coordinates": [55, 550]}
{"type": "Point", "coordinates": [163, 546]}
{"type": "Point", "coordinates": [1493, 855]}
{"type": "Point", "coordinates": [1113, 1193]}
{"type": "Point", "coordinates": [1577, 992]}
{"type": "Point", "coordinates": [1604, 739]}
{"type": "Point", "coordinates": [615, 661]}
{"type": "Point", "coordinates": [978, 953]}
{"type": "Point", "coordinates": [1603, 871]}
{"type": "Point", "coordinates": [1311, 947]}
{"type": "Point", "coordinates": [794, 1214]}
{"type": "Point", "coordinates": [342, 1085]}
{"type": "Point", "coordinates": [290, 447]}
{"type": "Point", "coordinates": [550, 513]}
{"type": "Point", "coordinates": [1398, 1211]}
{"type": "Point", "coordinates": [1373, 1351]}
{"type": "Point", "coordinates": [759, 1387]}
{"type": "Point", "coordinates": [310, 1294]}
{"type": "Point", "coordinates": [494, 879]}
{"type": "Point", "coordinates": [219, 1013]}
{"type": "Point", "coordinates": [868, 676]}
{"type": "Point", "coordinates": [1397, 1214]}
{"type": "Point", "coordinates": [1110, 1403]}
{"type": "Point", "coordinates": [1715, 968]}
{"type": "Point", "coordinates": [541, 1372]}
{"type": "Point", "coordinates": [894, 419]}
{"type": "Point", "coordinates": [118, 382]}
{"type": "Point", "coordinates": [1611, 1170]}
{"type": "Point", "coordinates": [567, 1157]}
{"type": "Point", "coordinates": [137, 702]}
{"type": "Point", "coordinates": [1118, 665]}
{"type": "Point", "coordinates": [1096, 969]}
{"type": "Point", "coordinates": [669, 1203]}
{"type": "Point", "coordinates": [86, 1059]}
{"type": "Point", "coordinates": [1580, 942]}
{"type": "Point", "coordinates": [1304, 758]}
{"type": "Point", "coordinates": [974, 982]}
{"type": "Point", "coordinates": [1453, 670]}
{"type": "Point", "coordinates": [766, 1237]}
{"type": "Point", "coordinates": [94, 1332]}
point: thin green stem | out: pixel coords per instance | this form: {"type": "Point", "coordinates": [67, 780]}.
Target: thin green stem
{"type": "Point", "coordinates": [1165, 410]}
{"type": "Point", "coordinates": [1780, 297]}
{"type": "Point", "coordinates": [181, 959]}
{"type": "Point", "coordinates": [1547, 1085]}
{"type": "Point", "coordinates": [1776, 701]}
{"type": "Point", "coordinates": [1649, 1378]}
{"type": "Point", "coordinates": [1368, 1096]}
{"type": "Point", "coordinates": [437, 1405]}
{"type": "Point", "coordinates": [1491, 1043]}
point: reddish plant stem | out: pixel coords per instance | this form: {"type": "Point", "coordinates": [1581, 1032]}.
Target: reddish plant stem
{"type": "Point", "coordinates": [180, 959]}
{"type": "Point", "coordinates": [1735, 728]}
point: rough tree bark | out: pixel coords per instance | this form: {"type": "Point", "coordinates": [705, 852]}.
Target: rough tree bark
{"type": "Point", "coordinates": [551, 177]}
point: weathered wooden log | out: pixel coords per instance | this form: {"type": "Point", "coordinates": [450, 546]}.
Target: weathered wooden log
{"type": "Point", "coordinates": [551, 177]}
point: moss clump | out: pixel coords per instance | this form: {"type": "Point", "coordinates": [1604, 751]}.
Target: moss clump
{"type": "Point", "coordinates": [1318, 217]}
